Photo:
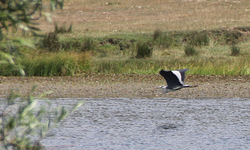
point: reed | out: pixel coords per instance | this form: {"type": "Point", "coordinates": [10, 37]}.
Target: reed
{"type": "Point", "coordinates": [56, 64]}
{"type": "Point", "coordinates": [201, 66]}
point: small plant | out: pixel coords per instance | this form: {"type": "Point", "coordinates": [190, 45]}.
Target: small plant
{"type": "Point", "coordinates": [157, 34]}
{"type": "Point", "coordinates": [166, 41]}
{"type": "Point", "coordinates": [63, 28]}
{"type": "Point", "coordinates": [89, 44]}
{"type": "Point", "coordinates": [24, 121]}
{"type": "Point", "coordinates": [51, 41]}
{"type": "Point", "coordinates": [190, 50]}
{"type": "Point", "coordinates": [199, 39]}
{"type": "Point", "coordinates": [235, 50]}
{"type": "Point", "coordinates": [143, 50]}
{"type": "Point", "coordinates": [232, 36]}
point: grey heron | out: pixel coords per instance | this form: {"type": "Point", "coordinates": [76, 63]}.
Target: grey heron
{"type": "Point", "coordinates": [174, 79]}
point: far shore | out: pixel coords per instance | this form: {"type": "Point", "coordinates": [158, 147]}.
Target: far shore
{"type": "Point", "coordinates": [126, 86]}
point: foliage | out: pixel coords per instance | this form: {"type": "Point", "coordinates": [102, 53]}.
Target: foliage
{"type": "Point", "coordinates": [24, 121]}
{"type": "Point", "coordinates": [57, 64]}
{"type": "Point", "coordinates": [190, 50]}
{"type": "Point", "coordinates": [232, 37]}
{"type": "Point", "coordinates": [51, 41]}
{"type": "Point", "coordinates": [157, 34]}
{"type": "Point", "coordinates": [143, 50]}
{"type": "Point", "coordinates": [197, 65]}
{"type": "Point", "coordinates": [63, 29]}
{"type": "Point", "coordinates": [22, 14]}
{"type": "Point", "coordinates": [6, 59]}
{"type": "Point", "coordinates": [235, 50]}
{"type": "Point", "coordinates": [49, 64]}
{"type": "Point", "coordinates": [199, 39]}
{"type": "Point", "coordinates": [89, 44]}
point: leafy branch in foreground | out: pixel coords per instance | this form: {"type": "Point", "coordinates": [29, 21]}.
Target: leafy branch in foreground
{"type": "Point", "coordinates": [22, 13]}
{"type": "Point", "coordinates": [24, 121]}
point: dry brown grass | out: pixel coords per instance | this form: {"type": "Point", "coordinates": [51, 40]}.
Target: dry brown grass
{"type": "Point", "coordinates": [107, 16]}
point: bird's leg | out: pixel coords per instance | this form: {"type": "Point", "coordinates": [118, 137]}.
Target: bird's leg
{"type": "Point", "coordinates": [191, 86]}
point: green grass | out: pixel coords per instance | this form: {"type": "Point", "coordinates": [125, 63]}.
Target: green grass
{"type": "Point", "coordinates": [49, 64]}
{"type": "Point", "coordinates": [117, 53]}
{"type": "Point", "coordinates": [201, 66]}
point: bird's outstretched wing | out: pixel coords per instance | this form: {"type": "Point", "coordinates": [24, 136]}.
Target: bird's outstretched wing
{"type": "Point", "coordinates": [182, 72]}
{"type": "Point", "coordinates": [172, 80]}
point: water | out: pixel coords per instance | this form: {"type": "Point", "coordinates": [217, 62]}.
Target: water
{"type": "Point", "coordinates": [122, 123]}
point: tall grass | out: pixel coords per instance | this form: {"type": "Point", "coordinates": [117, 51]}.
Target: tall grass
{"type": "Point", "coordinates": [50, 64]}
{"type": "Point", "coordinates": [201, 66]}
{"type": "Point", "coordinates": [56, 64]}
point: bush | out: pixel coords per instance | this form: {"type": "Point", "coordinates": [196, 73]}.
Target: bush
{"type": "Point", "coordinates": [143, 50]}
{"type": "Point", "coordinates": [51, 41]}
{"type": "Point", "coordinates": [63, 28]}
{"type": "Point", "coordinates": [157, 34]}
{"type": "Point", "coordinates": [232, 37]}
{"type": "Point", "coordinates": [190, 50]}
{"type": "Point", "coordinates": [199, 39]}
{"type": "Point", "coordinates": [89, 44]}
{"type": "Point", "coordinates": [24, 121]}
{"type": "Point", "coordinates": [235, 50]}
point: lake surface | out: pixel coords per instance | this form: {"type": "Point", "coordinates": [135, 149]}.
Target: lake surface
{"type": "Point", "coordinates": [157, 123]}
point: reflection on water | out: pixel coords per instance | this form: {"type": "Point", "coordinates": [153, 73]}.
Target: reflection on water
{"type": "Point", "coordinates": [165, 123]}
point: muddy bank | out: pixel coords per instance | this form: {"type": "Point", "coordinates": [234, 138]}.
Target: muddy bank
{"type": "Point", "coordinates": [126, 85]}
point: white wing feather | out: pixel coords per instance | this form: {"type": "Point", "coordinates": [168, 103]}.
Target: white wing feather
{"type": "Point", "coordinates": [178, 75]}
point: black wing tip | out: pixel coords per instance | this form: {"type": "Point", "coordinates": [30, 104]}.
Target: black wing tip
{"type": "Point", "coordinates": [184, 69]}
{"type": "Point", "coordinates": [161, 71]}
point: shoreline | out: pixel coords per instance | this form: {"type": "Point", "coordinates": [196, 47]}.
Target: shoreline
{"type": "Point", "coordinates": [126, 86]}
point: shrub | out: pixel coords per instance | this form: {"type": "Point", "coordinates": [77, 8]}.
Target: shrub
{"type": "Point", "coordinates": [199, 39]}
{"type": "Point", "coordinates": [63, 28]}
{"type": "Point", "coordinates": [157, 34]}
{"type": "Point", "coordinates": [24, 121]}
{"type": "Point", "coordinates": [143, 50]}
{"type": "Point", "coordinates": [190, 50]}
{"type": "Point", "coordinates": [51, 41]}
{"type": "Point", "coordinates": [166, 41]}
{"type": "Point", "coordinates": [235, 50]}
{"type": "Point", "coordinates": [232, 37]}
{"type": "Point", "coordinates": [89, 44]}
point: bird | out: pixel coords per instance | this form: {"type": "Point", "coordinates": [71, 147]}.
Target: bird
{"type": "Point", "coordinates": [174, 79]}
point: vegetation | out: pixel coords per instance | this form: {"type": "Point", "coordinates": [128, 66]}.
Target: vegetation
{"type": "Point", "coordinates": [190, 50]}
{"type": "Point", "coordinates": [191, 35]}
{"type": "Point", "coordinates": [108, 45]}
{"type": "Point", "coordinates": [235, 50]}
{"type": "Point", "coordinates": [143, 50]}
{"type": "Point", "coordinates": [25, 120]}
{"type": "Point", "coordinates": [119, 53]}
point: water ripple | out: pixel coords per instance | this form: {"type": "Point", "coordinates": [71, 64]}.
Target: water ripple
{"type": "Point", "coordinates": [158, 123]}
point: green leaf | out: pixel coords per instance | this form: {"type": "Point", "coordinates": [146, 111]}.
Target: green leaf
{"type": "Point", "coordinates": [29, 108]}
{"type": "Point", "coordinates": [78, 105]}
{"type": "Point", "coordinates": [63, 114]}
{"type": "Point", "coordinates": [11, 123]}
{"type": "Point", "coordinates": [5, 25]}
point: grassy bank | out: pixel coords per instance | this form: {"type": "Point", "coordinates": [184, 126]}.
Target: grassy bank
{"type": "Point", "coordinates": [212, 52]}
{"type": "Point", "coordinates": [208, 37]}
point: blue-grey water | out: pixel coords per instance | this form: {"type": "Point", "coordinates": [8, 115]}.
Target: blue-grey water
{"type": "Point", "coordinates": [153, 123]}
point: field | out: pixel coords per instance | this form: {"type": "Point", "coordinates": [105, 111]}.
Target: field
{"type": "Point", "coordinates": [210, 37]}
{"type": "Point", "coordinates": [101, 17]}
